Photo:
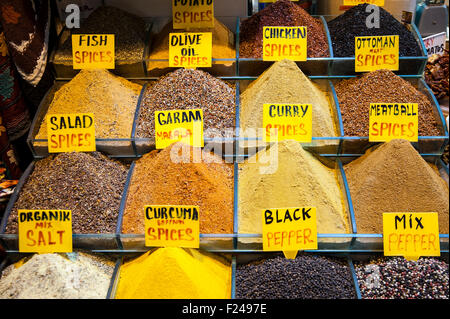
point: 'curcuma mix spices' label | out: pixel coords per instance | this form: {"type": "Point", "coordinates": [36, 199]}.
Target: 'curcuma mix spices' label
{"type": "Point", "coordinates": [172, 226]}
{"type": "Point", "coordinates": [93, 51]}
{"type": "Point", "coordinates": [190, 50]}
{"type": "Point", "coordinates": [193, 14]}
{"type": "Point", "coordinates": [285, 43]}
{"type": "Point", "coordinates": [377, 52]}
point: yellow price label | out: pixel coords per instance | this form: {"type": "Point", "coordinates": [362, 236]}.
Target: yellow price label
{"type": "Point", "coordinates": [193, 14]}
{"type": "Point", "coordinates": [71, 132]}
{"type": "Point", "coordinates": [379, 3]}
{"type": "Point", "coordinates": [287, 122]}
{"type": "Point", "coordinates": [269, 1]}
{"type": "Point", "coordinates": [377, 52]}
{"type": "Point", "coordinates": [190, 50]}
{"type": "Point", "coordinates": [285, 43]}
{"type": "Point", "coordinates": [289, 229]}
{"type": "Point", "coordinates": [93, 51]}
{"type": "Point", "coordinates": [184, 126]}
{"type": "Point", "coordinates": [411, 235]}
{"type": "Point", "coordinates": [172, 226]}
{"type": "Point", "coordinates": [45, 231]}
{"type": "Point", "coordinates": [390, 121]}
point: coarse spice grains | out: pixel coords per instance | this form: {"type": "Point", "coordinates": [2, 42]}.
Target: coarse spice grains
{"type": "Point", "coordinates": [57, 276]}
{"type": "Point", "coordinates": [157, 180]}
{"type": "Point", "coordinates": [395, 178]}
{"type": "Point", "coordinates": [398, 278]}
{"type": "Point", "coordinates": [89, 184]}
{"type": "Point", "coordinates": [186, 89]}
{"type": "Point", "coordinates": [306, 277]}
{"type": "Point", "coordinates": [382, 86]}
{"type": "Point", "coordinates": [281, 13]}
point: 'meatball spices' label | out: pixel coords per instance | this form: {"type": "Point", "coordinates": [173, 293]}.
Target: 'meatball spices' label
{"type": "Point", "coordinates": [45, 231]}
{"type": "Point", "coordinates": [192, 14]}
{"type": "Point", "coordinates": [379, 3]}
{"type": "Point", "coordinates": [377, 52]}
{"type": "Point", "coordinates": [284, 43]}
{"type": "Point", "coordinates": [190, 50]}
{"type": "Point", "coordinates": [93, 51]}
{"type": "Point", "coordinates": [411, 235]}
{"type": "Point", "coordinates": [289, 230]}
{"type": "Point", "coordinates": [71, 132]}
{"type": "Point", "coordinates": [172, 226]}
{"type": "Point", "coordinates": [390, 121]}
{"type": "Point", "coordinates": [287, 122]}
{"type": "Point", "coordinates": [184, 126]}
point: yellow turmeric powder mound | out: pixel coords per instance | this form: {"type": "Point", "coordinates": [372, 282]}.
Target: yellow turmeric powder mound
{"type": "Point", "coordinates": [175, 273]}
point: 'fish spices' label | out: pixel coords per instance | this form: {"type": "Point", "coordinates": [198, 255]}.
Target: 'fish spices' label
{"type": "Point", "coordinates": [377, 52]}
{"type": "Point", "coordinates": [390, 121]}
{"type": "Point", "coordinates": [45, 231]}
{"type": "Point", "coordinates": [93, 51]}
{"type": "Point", "coordinates": [193, 14]}
{"type": "Point", "coordinates": [285, 43]}
{"type": "Point", "coordinates": [71, 132]}
{"type": "Point", "coordinates": [411, 235]}
{"type": "Point", "coordinates": [172, 226]}
{"type": "Point", "coordinates": [190, 50]}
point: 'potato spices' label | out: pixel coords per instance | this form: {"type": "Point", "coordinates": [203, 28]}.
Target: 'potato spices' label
{"type": "Point", "coordinates": [411, 235]}
{"type": "Point", "coordinates": [71, 132]}
{"type": "Point", "coordinates": [93, 51]}
{"type": "Point", "coordinates": [193, 14]}
{"type": "Point", "coordinates": [377, 52]}
{"type": "Point", "coordinates": [287, 122]}
{"type": "Point", "coordinates": [289, 230]}
{"type": "Point", "coordinates": [285, 43]}
{"type": "Point", "coordinates": [45, 231]}
{"type": "Point", "coordinates": [172, 226]}
{"type": "Point", "coordinates": [190, 50]}
{"type": "Point", "coordinates": [390, 121]}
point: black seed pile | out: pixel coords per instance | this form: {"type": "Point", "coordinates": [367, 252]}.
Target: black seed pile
{"type": "Point", "coordinates": [306, 277]}
{"type": "Point", "coordinates": [344, 28]}
{"type": "Point", "coordinates": [397, 278]}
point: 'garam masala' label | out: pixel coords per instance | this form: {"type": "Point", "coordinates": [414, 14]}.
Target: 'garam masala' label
{"type": "Point", "coordinates": [285, 43]}
{"type": "Point", "coordinates": [190, 50]}
{"type": "Point", "coordinates": [93, 51]}
{"type": "Point", "coordinates": [193, 14]}
{"type": "Point", "coordinates": [377, 52]}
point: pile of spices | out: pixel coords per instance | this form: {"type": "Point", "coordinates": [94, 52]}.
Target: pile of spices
{"type": "Point", "coordinates": [57, 276]}
{"type": "Point", "coordinates": [306, 277]}
{"type": "Point", "coordinates": [186, 89]}
{"type": "Point", "coordinates": [382, 86]}
{"type": "Point", "coordinates": [223, 43]}
{"type": "Point", "coordinates": [129, 35]}
{"type": "Point", "coordinates": [353, 23]}
{"type": "Point", "coordinates": [284, 82]}
{"type": "Point", "coordinates": [397, 278]}
{"type": "Point", "coordinates": [395, 178]}
{"type": "Point", "coordinates": [175, 273]}
{"type": "Point", "coordinates": [112, 100]}
{"type": "Point", "coordinates": [90, 185]}
{"type": "Point", "coordinates": [436, 75]}
{"type": "Point", "coordinates": [174, 177]}
{"type": "Point", "coordinates": [281, 13]}
{"type": "Point", "coordinates": [285, 175]}
{"type": "Point", "coordinates": [445, 155]}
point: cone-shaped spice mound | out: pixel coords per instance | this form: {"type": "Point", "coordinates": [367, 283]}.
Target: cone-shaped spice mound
{"type": "Point", "coordinates": [395, 178]}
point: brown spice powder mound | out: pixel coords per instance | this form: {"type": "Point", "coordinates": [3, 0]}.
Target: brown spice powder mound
{"type": "Point", "coordinates": [382, 86]}
{"type": "Point", "coordinates": [395, 178]}
{"type": "Point", "coordinates": [157, 180]}
{"type": "Point", "coordinates": [281, 13]}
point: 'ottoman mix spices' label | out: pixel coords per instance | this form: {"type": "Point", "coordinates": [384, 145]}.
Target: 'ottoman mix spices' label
{"type": "Point", "coordinates": [192, 14]}
{"type": "Point", "coordinates": [287, 122]}
{"type": "Point", "coordinates": [93, 51]}
{"type": "Point", "coordinates": [411, 235]}
{"type": "Point", "coordinates": [45, 231]}
{"type": "Point", "coordinates": [71, 132]}
{"type": "Point", "coordinates": [379, 3]}
{"type": "Point", "coordinates": [377, 52]}
{"type": "Point", "coordinates": [179, 126]}
{"type": "Point", "coordinates": [285, 43]}
{"type": "Point", "coordinates": [172, 226]}
{"type": "Point", "coordinates": [190, 50]}
{"type": "Point", "coordinates": [289, 230]}
{"type": "Point", "coordinates": [390, 121]}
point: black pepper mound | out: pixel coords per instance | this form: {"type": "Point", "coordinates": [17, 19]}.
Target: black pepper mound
{"type": "Point", "coordinates": [344, 28]}
{"type": "Point", "coordinates": [306, 277]}
{"type": "Point", "coordinates": [90, 185]}
{"type": "Point", "coordinates": [397, 278]}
